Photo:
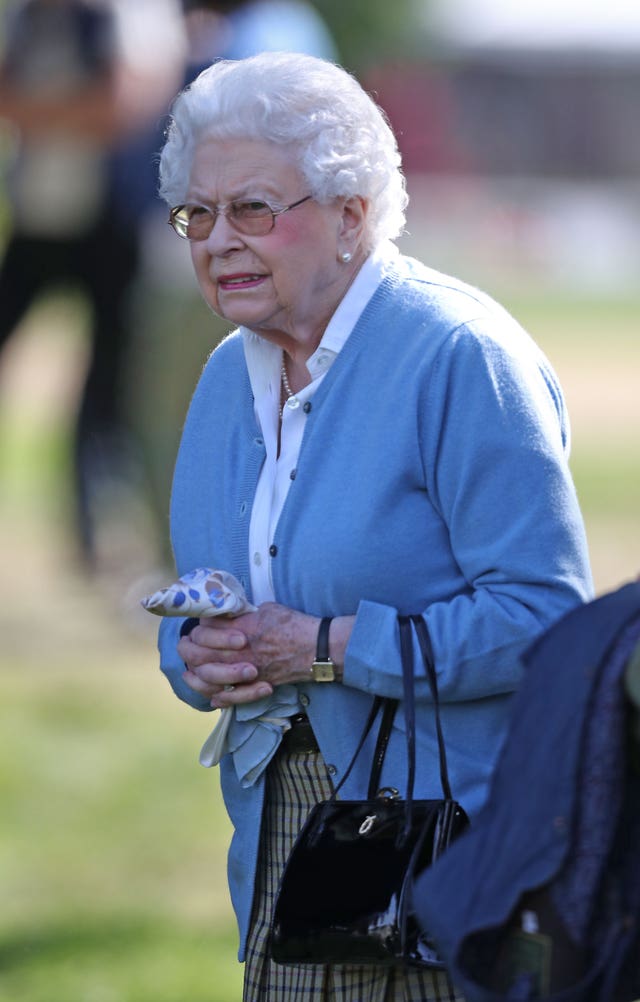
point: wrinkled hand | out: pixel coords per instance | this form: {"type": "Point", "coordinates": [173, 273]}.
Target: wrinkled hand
{"type": "Point", "coordinates": [253, 653]}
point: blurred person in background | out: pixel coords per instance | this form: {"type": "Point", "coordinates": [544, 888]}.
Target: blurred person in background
{"type": "Point", "coordinates": [76, 85]}
{"type": "Point", "coordinates": [374, 438]}
{"type": "Point", "coordinates": [234, 29]}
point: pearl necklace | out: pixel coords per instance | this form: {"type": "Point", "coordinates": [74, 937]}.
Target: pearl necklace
{"type": "Point", "coordinates": [291, 400]}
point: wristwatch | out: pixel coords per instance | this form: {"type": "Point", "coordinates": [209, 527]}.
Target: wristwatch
{"type": "Point", "coordinates": [323, 668]}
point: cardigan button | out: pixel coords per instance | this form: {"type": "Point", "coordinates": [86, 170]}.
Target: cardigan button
{"type": "Point", "coordinates": [293, 475]}
{"type": "Point", "coordinates": [273, 550]}
{"type": "Point", "coordinates": [307, 407]}
{"type": "Point", "coordinates": [331, 769]}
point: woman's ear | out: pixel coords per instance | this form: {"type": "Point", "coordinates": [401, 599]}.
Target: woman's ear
{"type": "Point", "coordinates": [352, 225]}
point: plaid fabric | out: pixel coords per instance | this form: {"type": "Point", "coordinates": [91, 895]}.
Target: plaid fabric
{"type": "Point", "coordinates": [295, 782]}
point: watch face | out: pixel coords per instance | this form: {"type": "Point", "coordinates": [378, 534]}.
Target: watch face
{"type": "Point", "coordinates": [323, 671]}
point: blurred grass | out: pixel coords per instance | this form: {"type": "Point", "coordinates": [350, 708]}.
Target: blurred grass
{"type": "Point", "coordinates": [112, 838]}
{"type": "Point", "coordinates": [116, 960]}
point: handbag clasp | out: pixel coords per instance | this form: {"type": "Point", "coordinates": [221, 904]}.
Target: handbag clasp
{"type": "Point", "coordinates": [388, 793]}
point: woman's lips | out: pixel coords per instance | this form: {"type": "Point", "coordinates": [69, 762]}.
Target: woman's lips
{"type": "Point", "coordinates": [244, 280]}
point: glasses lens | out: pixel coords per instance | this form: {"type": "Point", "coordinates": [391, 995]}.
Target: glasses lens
{"type": "Point", "coordinates": [199, 222]}
{"type": "Point", "coordinates": [179, 220]}
{"type": "Point", "coordinates": [193, 222]}
{"type": "Point", "coordinates": [254, 217]}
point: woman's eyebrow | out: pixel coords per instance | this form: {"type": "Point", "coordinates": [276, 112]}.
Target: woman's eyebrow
{"type": "Point", "coordinates": [260, 192]}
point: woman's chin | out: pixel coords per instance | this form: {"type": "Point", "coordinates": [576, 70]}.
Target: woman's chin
{"type": "Point", "coordinates": [240, 311]}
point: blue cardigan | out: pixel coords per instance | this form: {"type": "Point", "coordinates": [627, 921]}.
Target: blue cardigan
{"type": "Point", "coordinates": [432, 478]}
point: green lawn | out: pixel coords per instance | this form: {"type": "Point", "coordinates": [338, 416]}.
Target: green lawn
{"type": "Point", "coordinates": [112, 837]}
{"type": "Point", "coordinates": [118, 958]}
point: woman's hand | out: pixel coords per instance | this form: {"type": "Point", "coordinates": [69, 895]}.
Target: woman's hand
{"type": "Point", "coordinates": [253, 653]}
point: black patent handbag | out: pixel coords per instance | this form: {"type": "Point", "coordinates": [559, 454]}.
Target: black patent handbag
{"type": "Point", "coordinates": [344, 892]}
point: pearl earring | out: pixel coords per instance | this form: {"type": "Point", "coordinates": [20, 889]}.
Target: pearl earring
{"type": "Point", "coordinates": [345, 257]}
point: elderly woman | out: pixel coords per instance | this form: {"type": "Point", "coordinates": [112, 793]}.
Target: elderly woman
{"type": "Point", "coordinates": [374, 437]}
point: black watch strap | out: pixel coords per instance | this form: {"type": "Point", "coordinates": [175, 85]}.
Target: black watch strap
{"type": "Point", "coordinates": [323, 668]}
{"type": "Point", "coordinates": [322, 647]}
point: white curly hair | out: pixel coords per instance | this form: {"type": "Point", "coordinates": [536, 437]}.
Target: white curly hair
{"type": "Point", "coordinates": [340, 139]}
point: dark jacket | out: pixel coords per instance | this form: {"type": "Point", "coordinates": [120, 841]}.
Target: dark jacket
{"type": "Point", "coordinates": [559, 838]}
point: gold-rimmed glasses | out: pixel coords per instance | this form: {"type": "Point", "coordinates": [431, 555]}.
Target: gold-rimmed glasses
{"type": "Point", "coordinates": [249, 216]}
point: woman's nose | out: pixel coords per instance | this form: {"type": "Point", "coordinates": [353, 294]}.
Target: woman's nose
{"type": "Point", "coordinates": [223, 237]}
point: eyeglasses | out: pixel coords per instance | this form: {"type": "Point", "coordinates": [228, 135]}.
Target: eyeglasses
{"type": "Point", "coordinates": [251, 217]}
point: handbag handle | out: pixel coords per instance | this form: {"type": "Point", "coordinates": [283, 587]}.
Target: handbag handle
{"type": "Point", "coordinates": [388, 715]}
{"type": "Point", "coordinates": [406, 651]}
{"type": "Point", "coordinates": [381, 743]}
{"type": "Point", "coordinates": [427, 658]}
{"type": "Point", "coordinates": [389, 710]}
